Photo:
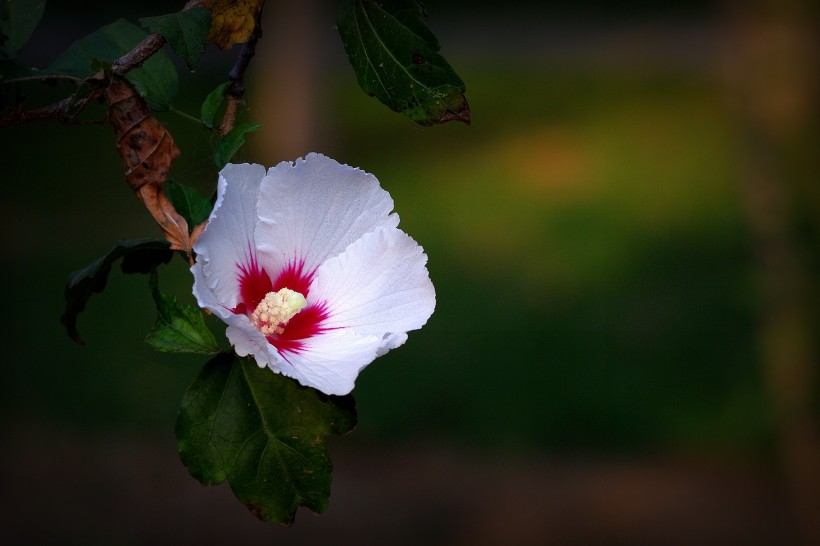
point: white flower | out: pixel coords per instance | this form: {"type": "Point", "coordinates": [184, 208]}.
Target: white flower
{"type": "Point", "coordinates": [308, 269]}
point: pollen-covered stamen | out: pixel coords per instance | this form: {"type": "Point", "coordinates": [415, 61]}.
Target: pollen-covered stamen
{"type": "Point", "coordinates": [276, 309]}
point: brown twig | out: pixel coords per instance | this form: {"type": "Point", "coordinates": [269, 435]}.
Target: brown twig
{"type": "Point", "coordinates": [141, 53]}
{"type": "Point", "coordinates": [236, 92]}
{"type": "Point", "coordinates": [63, 110]}
{"type": "Point", "coordinates": [66, 109]}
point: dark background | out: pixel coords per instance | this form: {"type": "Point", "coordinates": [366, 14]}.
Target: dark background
{"type": "Point", "coordinates": [625, 250]}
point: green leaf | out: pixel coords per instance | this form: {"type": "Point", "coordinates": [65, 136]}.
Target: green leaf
{"type": "Point", "coordinates": [11, 71]}
{"type": "Point", "coordinates": [186, 32]}
{"type": "Point", "coordinates": [156, 80]}
{"type": "Point", "coordinates": [395, 58]}
{"type": "Point", "coordinates": [139, 256]}
{"type": "Point", "coordinates": [18, 19]}
{"type": "Point", "coordinates": [231, 143]}
{"type": "Point", "coordinates": [178, 328]}
{"type": "Point", "coordinates": [154, 252]}
{"type": "Point", "coordinates": [188, 202]}
{"type": "Point", "coordinates": [211, 104]}
{"type": "Point", "coordinates": [264, 433]}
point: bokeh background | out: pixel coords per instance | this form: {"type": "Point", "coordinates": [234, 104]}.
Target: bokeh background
{"type": "Point", "coordinates": [625, 250]}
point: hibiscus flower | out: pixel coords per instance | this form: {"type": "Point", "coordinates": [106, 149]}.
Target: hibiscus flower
{"type": "Point", "coordinates": [307, 267]}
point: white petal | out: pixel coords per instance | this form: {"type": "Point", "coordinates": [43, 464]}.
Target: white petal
{"type": "Point", "coordinates": [391, 341]}
{"type": "Point", "coordinates": [205, 297]}
{"type": "Point", "coordinates": [331, 361]}
{"type": "Point", "coordinates": [336, 222]}
{"type": "Point", "coordinates": [379, 285]}
{"type": "Point", "coordinates": [228, 238]}
{"type": "Point", "coordinates": [247, 340]}
{"type": "Point", "coordinates": [314, 208]}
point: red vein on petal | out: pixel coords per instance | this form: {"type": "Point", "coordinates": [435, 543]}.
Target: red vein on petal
{"type": "Point", "coordinates": [254, 284]}
{"type": "Point", "coordinates": [306, 324]}
{"type": "Point", "coordinates": [295, 278]}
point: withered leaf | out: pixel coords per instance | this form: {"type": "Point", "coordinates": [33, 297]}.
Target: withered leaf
{"type": "Point", "coordinates": [164, 213]}
{"type": "Point", "coordinates": [232, 21]}
{"type": "Point", "coordinates": [145, 146]}
{"type": "Point", "coordinates": [197, 231]}
{"type": "Point", "coordinates": [147, 151]}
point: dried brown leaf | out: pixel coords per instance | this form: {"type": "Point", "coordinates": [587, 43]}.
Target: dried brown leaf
{"type": "Point", "coordinates": [232, 21]}
{"type": "Point", "coordinates": [197, 231]}
{"type": "Point", "coordinates": [147, 151]}
{"type": "Point", "coordinates": [174, 225]}
{"type": "Point", "coordinates": [145, 146]}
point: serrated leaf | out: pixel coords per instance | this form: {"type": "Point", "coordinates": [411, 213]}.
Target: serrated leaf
{"type": "Point", "coordinates": [179, 328]}
{"type": "Point", "coordinates": [156, 80]}
{"type": "Point", "coordinates": [140, 255]}
{"type": "Point", "coordinates": [18, 19]}
{"type": "Point", "coordinates": [395, 58]}
{"type": "Point", "coordinates": [186, 32]}
{"type": "Point", "coordinates": [211, 104]}
{"type": "Point", "coordinates": [264, 433]}
{"type": "Point", "coordinates": [188, 202]}
{"type": "Point", "coordinates": [232, 142]}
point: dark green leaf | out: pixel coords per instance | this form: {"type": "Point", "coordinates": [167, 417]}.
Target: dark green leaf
{"type": "Point", "coordinates": [264, 433]}
{"type": "Point", "coordinates": [140, 255]}
{"type": "Point", "coordinates": [231, 143]}
{"type": "Point", "coordinates": [186, 32]}
{"type": "Point", "coordinates": [11, 71]}
{"type": "Point", "coordinates": [211, 104]}
{"type": "Point", "coordinates": [178, 328]}
{"type": "Point", "coordinates": [148, 258]}
{"type": "Point", "coordinates": [156, 80]}
{"type": "Point", "coordinates": [395, 57]}
{"type": "Point", "coordinates": [188, 202]}
{"type": "Point", "coordinates": [18, 19]}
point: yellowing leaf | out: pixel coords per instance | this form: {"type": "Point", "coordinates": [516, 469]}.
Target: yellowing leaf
{"type": "Point", "coordinates": [232, 21]}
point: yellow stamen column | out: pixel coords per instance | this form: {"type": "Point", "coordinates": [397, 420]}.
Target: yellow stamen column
{"type": "Point", "coordinates": [276, 309]}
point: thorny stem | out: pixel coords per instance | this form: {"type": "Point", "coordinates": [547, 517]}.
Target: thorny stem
{"type": "Point", "coordinates": [236, 91]}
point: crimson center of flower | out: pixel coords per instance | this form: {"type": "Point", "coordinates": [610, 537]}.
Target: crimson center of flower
{"type": "Point", "coordinates": [276, 309]}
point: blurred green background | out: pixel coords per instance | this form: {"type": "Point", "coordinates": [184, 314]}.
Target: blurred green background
{"type": "Point", "coordinates": [624, 248]}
